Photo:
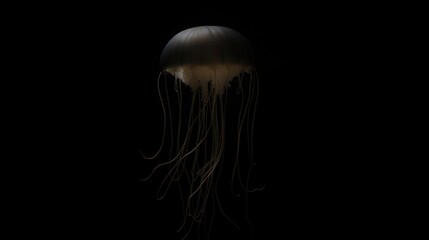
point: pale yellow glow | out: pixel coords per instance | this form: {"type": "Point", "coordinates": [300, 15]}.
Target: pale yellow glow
{"type": "Point", "coordinates": [218, 75]}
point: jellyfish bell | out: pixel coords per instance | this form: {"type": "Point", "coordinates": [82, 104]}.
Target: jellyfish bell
{"type": "Point", "coordinates": [207, 59]}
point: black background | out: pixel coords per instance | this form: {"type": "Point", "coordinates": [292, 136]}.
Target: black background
{"type": "Point", "coordinates": [98, 107]}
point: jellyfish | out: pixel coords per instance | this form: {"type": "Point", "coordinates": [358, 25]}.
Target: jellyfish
{"type": "Point", "coordinates": [210, 66]}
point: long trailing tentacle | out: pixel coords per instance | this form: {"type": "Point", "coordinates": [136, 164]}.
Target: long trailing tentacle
{"type": "Point", "coordinates": [164, 124]}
